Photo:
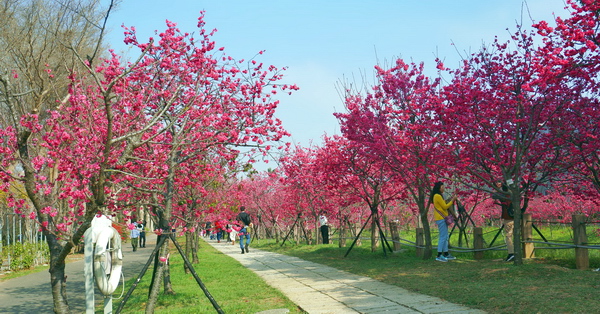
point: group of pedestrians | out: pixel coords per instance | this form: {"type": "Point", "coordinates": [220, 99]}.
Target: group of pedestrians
{"type": "Point", "coordinates": [138, 235]}
{"type": "Point", "coordinates": [241, 229]}
{"type": "Point", "coordinates": [443, 210]}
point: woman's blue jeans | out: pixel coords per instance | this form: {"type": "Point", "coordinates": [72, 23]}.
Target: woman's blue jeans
{"type": "Point", "coordinates": [443, 239]}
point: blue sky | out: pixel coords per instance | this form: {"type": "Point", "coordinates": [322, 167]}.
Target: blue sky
{"type": "Point", "coordinates": [326, 42]}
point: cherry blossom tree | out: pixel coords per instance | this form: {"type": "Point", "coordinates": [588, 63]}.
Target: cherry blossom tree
{"type": "Point", "coordinates": [43, 45]}
{"type": "Point", "coordinates": [572, 47]}
{"type": "Point", "coordinates": [301, 173]}
{"type": "Point", "coordinates": [353, 167]}
{"type": "Point", "coordinates": [506, 112]}
{"type": "Point", "coordinates": [205, 106]}
{"type": "Point", "coordinates": [269, 203]}
{"type": "Point", "coordinates": [183, 101]}
{"type": "Point", "coordinates": [397, 123]}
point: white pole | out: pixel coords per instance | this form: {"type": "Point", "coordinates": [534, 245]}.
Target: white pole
{"type": "Point", "coordinates": [14, 227]}
{"type": "Point", "coordinates": [88, 272]}
{"type": "Point", "coordinates": [1, 232]}
{"type": "Point", "coordinates": [108, 305]}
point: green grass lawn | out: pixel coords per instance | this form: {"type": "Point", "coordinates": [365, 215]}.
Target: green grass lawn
{"type": "Point", "coordinates": [547, 283]}
{"type": "Point", "coordinates": [235, 288]}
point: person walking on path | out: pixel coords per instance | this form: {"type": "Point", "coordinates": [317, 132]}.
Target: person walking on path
{"type": "Point", "coordinates": [135, 234]}
{"type": "Point", "coordinates": [244, 218]}
{"type": "Point", "coordinates": [142, 228]}
{"type": "Point", "coordinates": [218, 230]}
{"type": "Point", "coordinates": [324, 228]}
{"type": "Point", "coordinates": [442, 209]}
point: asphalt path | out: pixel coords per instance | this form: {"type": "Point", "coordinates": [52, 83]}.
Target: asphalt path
{"type": "Point", "coordinates": [32, 293]}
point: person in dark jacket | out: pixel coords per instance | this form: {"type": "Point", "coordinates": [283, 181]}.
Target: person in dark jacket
{"type": "Point", "coordinates": [246, 223]}
{"type": "Point", "coordinates": [503, 198]}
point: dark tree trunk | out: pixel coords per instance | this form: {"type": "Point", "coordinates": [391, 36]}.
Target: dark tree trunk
{"type": "Point", "coordinates": [154, 287]}
{"type": "Point", "coordinates": [428, 251]}
{"type": "Point", "coordinates": [189, 240]}
{"type": "Point", "coordinates": [195, 249]}
{"type": "Point", "coordinates": [168, 286]}
{"type": "Point", "coordinates": [58, 283]}
{"type": "Point", "coordinates": [518, 222]}
{"type": "Point", "coordinates": [343, 230]}
{"type": "Point", "coordinates": [422, 195]}
{"type": "Point", "coordinates": [374, 232]}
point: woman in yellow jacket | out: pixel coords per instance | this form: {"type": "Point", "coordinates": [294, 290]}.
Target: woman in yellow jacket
{"type": "Point", "coordinates": [441, 210]}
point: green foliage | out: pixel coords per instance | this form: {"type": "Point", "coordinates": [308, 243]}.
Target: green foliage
{"type": "Point", "coordinates": [23, 255]}
{"type": "Point", "coordinates": [235, 288]}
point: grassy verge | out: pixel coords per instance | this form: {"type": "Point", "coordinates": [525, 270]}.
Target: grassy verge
{"type": "Point", "coordinates": [235, 288]}
{"type": "Point", "coordinates": [544, 284]}
{"type": "Point", "coordinates": [36, 269]}
{"type": "Point", "coordinates": [17, 274]}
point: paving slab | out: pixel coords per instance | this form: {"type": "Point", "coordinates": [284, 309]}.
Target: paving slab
{"type": "Point", "coordinates": [321, 289]}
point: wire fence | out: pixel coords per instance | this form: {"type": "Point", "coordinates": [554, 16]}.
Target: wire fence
{"type": "Point", "coordinates": [22, 245]}
{"type": "Point", "coordinates": [577, 230]}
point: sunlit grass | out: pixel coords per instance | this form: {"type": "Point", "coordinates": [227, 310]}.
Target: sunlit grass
{"type": "Point", "coordinates": [17, 274]}
{"type": "Point", "coordinates": [235, 288]}
{"type": "Point", "coordinates": [547, 283]}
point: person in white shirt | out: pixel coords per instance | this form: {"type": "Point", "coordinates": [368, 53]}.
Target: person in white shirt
{"type": "Point", "coordinates": [135, 234]}
{"type": "Point", "coordinates": [324, 228]}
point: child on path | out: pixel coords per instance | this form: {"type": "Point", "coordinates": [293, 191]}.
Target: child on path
{"type": "Point", "coordinates": [233, 232]}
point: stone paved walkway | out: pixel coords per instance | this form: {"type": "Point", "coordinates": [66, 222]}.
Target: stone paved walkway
{"type": "Point", "coordinates": [318, 288]}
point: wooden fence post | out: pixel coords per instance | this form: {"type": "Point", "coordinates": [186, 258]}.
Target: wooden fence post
{"type": "Point", "coordinates": [527, 235]}
{"type": "Point", "coordinates": [478, 242]}
{"type": "Point", "coordinates": [582, 259]}
{"type": "Point", "coordinates": [395, 235]}
{"type": "Point", "coordinates": [420, 242]}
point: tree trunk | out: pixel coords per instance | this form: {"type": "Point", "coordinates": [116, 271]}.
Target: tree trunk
{"type": "Point", "coordinates": [195, 249]}
{"type": "Point", "coordinates": [168, 286]}
{"type": "Point", "coordinates": [356, 230]}
{"type": "Point", "coordinates": [189, 239]}
{"type": "Point", "coordinates": [428, 251]}
{"type": "Point", "coordinates": [423, 204]}
{"type": "Point", "coordinates": [297, 231]}
{"type": "Point", "coordinates": [58, 283]}
{"type": "Point", "coordinates": [159, 267]}
{"type": "Point", "coordinates": [154, 287]}
{"type": "Point", "coordinates": [317, 231]}
{"type": "Point", "coordinates": [276, 232]}
{"type": "Point", "coordinates": [518, 222]}
{"type": "Point", "coordinates": [307, 234]}
{"type": "Point", "coordinates": [374, 233]}
{"type": "Point", "coordinates": [342, 232]}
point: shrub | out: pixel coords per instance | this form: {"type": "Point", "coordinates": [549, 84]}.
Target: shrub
{"type": "Point", "coordinates": [24, 255]}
